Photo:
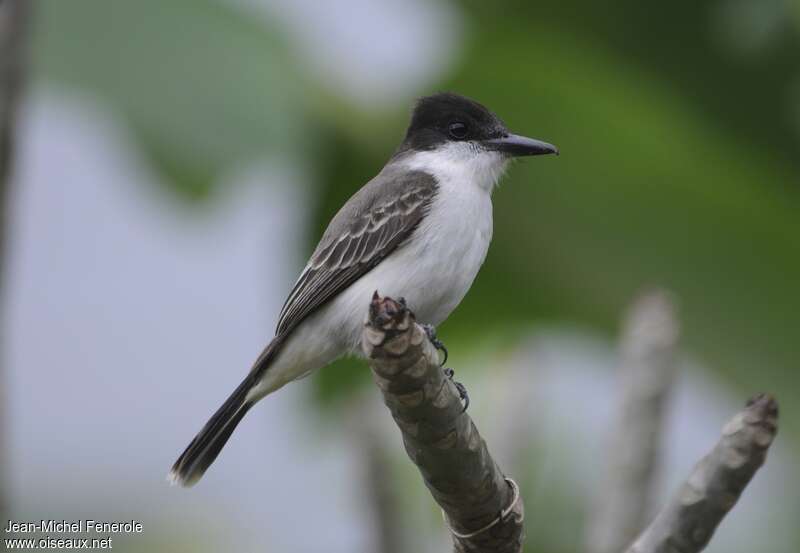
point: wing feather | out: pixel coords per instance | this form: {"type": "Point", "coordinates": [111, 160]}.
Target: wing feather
{"type": "Point", "coordinates": [368, 228]}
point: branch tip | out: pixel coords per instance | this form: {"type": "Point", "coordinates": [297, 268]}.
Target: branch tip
{"type": "Point", "coordinates": [386, 313]}
{"type": "Point", "coordinates": [691, 517]}
{"type": "Point", "coordinates": [764, 403]}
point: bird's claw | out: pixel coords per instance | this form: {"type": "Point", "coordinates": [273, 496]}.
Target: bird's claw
{"type": "Point", "coordinates": [430, 332]}
{"type": "Point", "coordinates": [462, 390]}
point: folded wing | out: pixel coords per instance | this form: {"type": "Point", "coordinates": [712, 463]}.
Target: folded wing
{"type": "Point", "coordinates": [373, 223]}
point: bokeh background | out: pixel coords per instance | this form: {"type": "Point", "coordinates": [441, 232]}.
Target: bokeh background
{"type": "Point", "coordinates": [177, 161]}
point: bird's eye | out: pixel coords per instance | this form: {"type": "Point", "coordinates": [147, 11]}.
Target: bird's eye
{"type": "Point", "coordinates": [457, 130]}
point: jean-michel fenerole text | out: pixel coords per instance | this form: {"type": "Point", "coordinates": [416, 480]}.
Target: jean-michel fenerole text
{"type": "Point", "coordinates": [76, 526]}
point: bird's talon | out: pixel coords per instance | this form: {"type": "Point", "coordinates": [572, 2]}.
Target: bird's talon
{"type": "Point", "coordinates": [462, 390]}
{"type": "Point", "coordinates": [462, 393]}
{"type": "Point", "coordinates": [430, 332]}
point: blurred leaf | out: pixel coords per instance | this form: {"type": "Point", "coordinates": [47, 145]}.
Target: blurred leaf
{"type": "Point", "coordinates": [677, 41]}
{"type": "Point", "coordinates": [202, 85]}
{"type": "Point", "coordinates": [341, 381]}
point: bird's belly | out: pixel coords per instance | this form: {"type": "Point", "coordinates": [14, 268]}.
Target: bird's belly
{"type": "Point", "coordinates": [439, 280]}
{"type": "Point", "coordinates": [433, 271]}
{"type": "Point", "coordinates": [432, 275]}
{"type": "Point", "coordinates": [451, 257]}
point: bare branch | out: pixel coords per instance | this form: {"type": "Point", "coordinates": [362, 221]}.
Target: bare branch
{"type": "Point", "coordinates": [439, 437]}
{"type": "Point", "coordinates": [13, 28]}
{"type": "Point", "coordinates": [14, 16]}
{"type": "Point", "coordinates": [647, 371]}
{"type": "Point", "coordinates": [688, 521]}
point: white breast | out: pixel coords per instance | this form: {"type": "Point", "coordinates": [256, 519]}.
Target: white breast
{"type": "Point", "coordinates": [457, 230]}
{"type": "Point", "coordinates": [435, 270]}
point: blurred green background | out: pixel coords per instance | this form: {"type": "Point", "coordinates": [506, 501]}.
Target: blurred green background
{"type": "Point", "coordinates": [679, 130]}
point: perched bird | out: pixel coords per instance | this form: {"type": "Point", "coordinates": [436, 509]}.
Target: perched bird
{"type": "Point", "coordinates": [419, 230]}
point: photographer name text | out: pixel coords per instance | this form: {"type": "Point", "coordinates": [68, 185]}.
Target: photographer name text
{"type": "Point", "coordinates": [74, 527]}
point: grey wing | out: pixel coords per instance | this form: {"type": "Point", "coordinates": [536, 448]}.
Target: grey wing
{"type": "Point", "coordinates": [373, 223]}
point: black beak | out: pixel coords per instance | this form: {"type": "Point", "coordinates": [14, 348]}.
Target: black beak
{"type": "Point", "coordinates": [515, 145]}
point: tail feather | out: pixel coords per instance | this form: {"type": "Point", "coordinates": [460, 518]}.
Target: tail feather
{"type": "Point", "coordinates": [205, 447]}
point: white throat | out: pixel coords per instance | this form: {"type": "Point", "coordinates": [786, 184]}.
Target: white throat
{"type": "Point", "coordinates": [462, 163]}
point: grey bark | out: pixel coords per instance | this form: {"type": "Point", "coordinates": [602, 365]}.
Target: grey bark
{"type": "Point", "coordinates": [13, 28]}
{"type": "Point", "coordinates": [14, 16]}
{"type": "Point", "coordinates": [438, 436]}
{"type": "Point", "coordinates": [687, 523]}
{"type": "Point", "coordinates": [647, 372]}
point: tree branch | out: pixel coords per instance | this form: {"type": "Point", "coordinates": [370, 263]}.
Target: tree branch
{"type": "Point", "coordinates": [13, 27]}
{"type": "Point", "coordinates": [688, 521]}
{"type": "Point", "coordinates": [439, 437]}
{"type": "Point", "coordinates": [14, 16]}
{"type": "Point", "coordinates": [647, 371]}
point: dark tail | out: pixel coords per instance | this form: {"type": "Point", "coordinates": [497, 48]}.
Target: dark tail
{"type": "Point", "coordinates": [205, 447]}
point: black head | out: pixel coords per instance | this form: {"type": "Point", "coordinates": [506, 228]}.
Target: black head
{"type": "Point", "coordinates": [446, 117]}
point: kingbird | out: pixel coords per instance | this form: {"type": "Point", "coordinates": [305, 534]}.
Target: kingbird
{"type": "Point", "coordinates": [419, 230]}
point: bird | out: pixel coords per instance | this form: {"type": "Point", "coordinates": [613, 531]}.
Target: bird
{"type": "Point", "coordinates": [420, 230]}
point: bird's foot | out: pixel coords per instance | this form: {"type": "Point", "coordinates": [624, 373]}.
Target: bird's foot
{"type": "Point", "coordinates": [430, 332]}
{"type": "Point", "coordinates": [462, 390]}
